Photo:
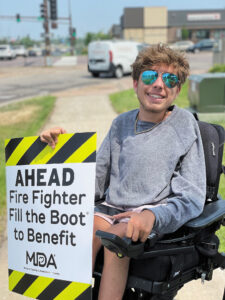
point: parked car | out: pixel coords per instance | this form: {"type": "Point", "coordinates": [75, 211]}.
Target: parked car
{"type": "Point", "coordinates": [20, 51]}
{"type": "Point", "coordinates": [203, 45]}
{"type": "Point", "coordinates": [112, 56]}
{"type": "Point", "coordinates": [7, 52]}
{"type": "Point", "coordinates": [56, 52]}
{"type": "Point", "coordinates": [32, 53]}
{"type": "Point", "coordinates": [181, 45]}
{"type": "Point", "coordinates": [37, 50]}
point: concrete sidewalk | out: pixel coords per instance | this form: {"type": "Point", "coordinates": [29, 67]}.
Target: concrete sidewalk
{"type": "Point", "coordinates": [89, 109]}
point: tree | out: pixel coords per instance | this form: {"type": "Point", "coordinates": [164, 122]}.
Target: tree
{"type": "Point", "coordinates": [184, 33]}
{"type": "Point", "coordinates": [27, 42]}
{"type": "Point", "coordinates": [90, 36]}
{"type": "Point", "coordinates": [4, 41]}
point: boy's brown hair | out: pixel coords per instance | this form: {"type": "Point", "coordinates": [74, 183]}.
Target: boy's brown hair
{"type": "Point", "coordinates": [161, 54]}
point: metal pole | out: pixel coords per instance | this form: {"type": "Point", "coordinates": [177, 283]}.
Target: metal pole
{"type": "Point", "coordinates": [70, 29]}
{"type": "Point", "coordinates": [46, 27]}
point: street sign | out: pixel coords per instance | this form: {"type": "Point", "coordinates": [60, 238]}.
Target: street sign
{"type": "Point", "coordinates": [46, 35]}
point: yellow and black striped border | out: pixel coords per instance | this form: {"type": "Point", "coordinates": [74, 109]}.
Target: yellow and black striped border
{"type": "Point", "coordinates": [45, 288]}
{"type": "Point", "coordinates": [71, 148]}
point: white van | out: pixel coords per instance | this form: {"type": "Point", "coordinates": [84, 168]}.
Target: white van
{"type": "Point", "coordinates": [112, 56]}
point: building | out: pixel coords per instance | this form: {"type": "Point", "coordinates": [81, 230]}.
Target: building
{"type": "Point", "coordinates": [116, 31]}
{"type": "Point", "coordinates": [157, 24]}
{"type": "Point", "coordinates": [200, 24]}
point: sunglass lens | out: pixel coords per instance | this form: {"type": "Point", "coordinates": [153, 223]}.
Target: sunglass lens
{"type": "Point", "coordinates": [149, 77]}
{"type": "Point", "coordinates": [170, 80]}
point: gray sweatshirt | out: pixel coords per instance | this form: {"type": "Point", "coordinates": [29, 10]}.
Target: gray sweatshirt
{"type": "Point", "coordinates": [163, 167]}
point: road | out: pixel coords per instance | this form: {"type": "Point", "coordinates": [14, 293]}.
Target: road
{"type": "Point", "coordinates": [37, 61]}
{"type": "Point", "coordinates": [19, 80]}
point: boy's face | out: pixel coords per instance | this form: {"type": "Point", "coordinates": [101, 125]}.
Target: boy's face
{"type": "Point", "coordinates": [157, 97]}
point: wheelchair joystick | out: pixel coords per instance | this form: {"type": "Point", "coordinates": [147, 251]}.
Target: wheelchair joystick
{"type": "Point", "coordinates": [121, 246]}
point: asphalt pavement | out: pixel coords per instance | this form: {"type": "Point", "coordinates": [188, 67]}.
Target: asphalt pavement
{"type": "Point", "coordinates": [88, 109]}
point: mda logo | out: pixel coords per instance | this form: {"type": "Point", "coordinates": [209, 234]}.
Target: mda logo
{"type": "Point", "coordinates": [39, 259]}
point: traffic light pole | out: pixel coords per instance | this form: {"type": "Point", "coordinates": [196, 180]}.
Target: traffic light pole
{"type": "Point", "coordinates": [71, 30]}
{"type": "Point", "coordinates": [46, 28]}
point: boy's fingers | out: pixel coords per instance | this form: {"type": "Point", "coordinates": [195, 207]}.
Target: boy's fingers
{"type": "Point", "coordinates": [135, 235]}
{"type": "Point", "coordinates": [54, 138]}
{"type": "Point", "coordinates": [143, 236]}
{"type": "Point", "coordinates": [63, 131]}
{"type": "Point", "coordinates": [130, 229]}
{"type": "Point", "coordinates": [123, 215]}
{"type": "Point", "coordinates": [46, 139]}
{"type": "Point", "coordinates": [51, 136]}
{"type": "Point", "coordinates": [43, 139]}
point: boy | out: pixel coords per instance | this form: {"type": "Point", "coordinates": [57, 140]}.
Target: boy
{"type": "Point", "coordinates": [151, 164]}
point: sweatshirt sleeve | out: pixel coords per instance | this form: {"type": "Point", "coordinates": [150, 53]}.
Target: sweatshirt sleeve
{"type": "Point", "coordinates": [103, 168]}
{"type": "Point", "coordinates": [188, 190]}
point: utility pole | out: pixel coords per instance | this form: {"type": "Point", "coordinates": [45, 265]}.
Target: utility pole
{"type": "Point", "coordinates": [46, 28]}
{"type": "Point", "coordinates": [71, 30]}
{"type": "Point", "coordinates": [44, 16]}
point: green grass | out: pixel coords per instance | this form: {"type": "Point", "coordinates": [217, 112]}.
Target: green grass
{"type": "Point", "coordinates": [28, 125]}
{"type": "Point", "coordinates": [124, 101]}
{"type": "Point", "coordinates": [182, 99]}
{"type": "Point", "coordinates": [127, 100]}
{"type": "Point", "coordinates": [217, 68]}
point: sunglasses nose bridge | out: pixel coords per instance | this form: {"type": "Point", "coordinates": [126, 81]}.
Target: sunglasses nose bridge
{"type": "Point", "coordinates": [159, 79]}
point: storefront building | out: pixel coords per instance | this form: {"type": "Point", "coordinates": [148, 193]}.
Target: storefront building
{"type": "Point", "coordinates": [157, 24]}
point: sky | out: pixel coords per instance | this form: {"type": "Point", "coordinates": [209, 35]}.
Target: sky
{"type": "Point", "coordinates": [87, 15]}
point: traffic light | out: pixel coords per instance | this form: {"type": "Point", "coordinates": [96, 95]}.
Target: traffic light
{"type": "Point", "coordinates": [53, 10]}
{"type": "Point", "coordinates": [43, 11]}
{"type": "Point", "coordinates": [74, 33]}
{"type": "Point", "coordinates": [18, 19]}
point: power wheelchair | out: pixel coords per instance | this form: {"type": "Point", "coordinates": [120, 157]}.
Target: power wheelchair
{"type": "Point", "coordinates": [163, 264]}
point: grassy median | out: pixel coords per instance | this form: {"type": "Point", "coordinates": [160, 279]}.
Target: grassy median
{"type": "Point", "coordinates": [127, 100]}
{"type": "Point", "coordinates": [19, 120]}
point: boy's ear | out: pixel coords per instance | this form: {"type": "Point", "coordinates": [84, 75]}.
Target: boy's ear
{"type": "Point", "coordinates": [135, 84]}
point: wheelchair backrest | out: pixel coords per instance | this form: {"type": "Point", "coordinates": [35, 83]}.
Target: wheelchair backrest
{"type": "Point", "coordinates": [213, 143]}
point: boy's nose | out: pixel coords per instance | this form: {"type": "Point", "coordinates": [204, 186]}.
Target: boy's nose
{"type": "Point", "coordinates": [159, 82]}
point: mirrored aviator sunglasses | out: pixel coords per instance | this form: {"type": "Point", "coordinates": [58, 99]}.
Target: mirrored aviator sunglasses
{"type": "Point", "coordinates": [150, 76]}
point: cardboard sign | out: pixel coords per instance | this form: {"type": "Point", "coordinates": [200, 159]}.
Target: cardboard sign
{"type": "Point", "coordinates": [50, 204]}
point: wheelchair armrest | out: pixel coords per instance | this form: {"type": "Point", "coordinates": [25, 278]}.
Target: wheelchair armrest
{"type": "Point", "coordinates": [125, 247]}
{"type": "Point", "coordinates": [212, 212]}
{"type": "Point", "coordinates": [121, 246]}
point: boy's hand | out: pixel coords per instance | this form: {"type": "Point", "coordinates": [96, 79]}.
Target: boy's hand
{"type": "Point", "coordinates": [51, 136]}
{"type": "Point", "coordinates": [140, 224]}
